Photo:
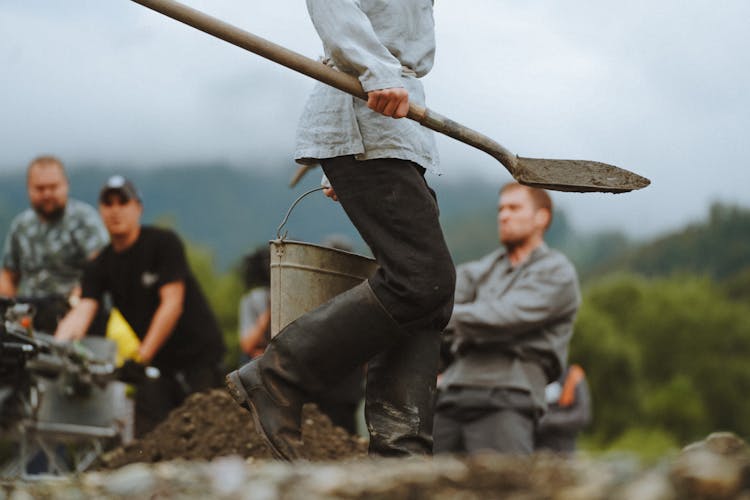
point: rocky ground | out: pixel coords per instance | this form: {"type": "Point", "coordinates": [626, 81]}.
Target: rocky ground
{"type": "Point", "coordinates": [208, 449]}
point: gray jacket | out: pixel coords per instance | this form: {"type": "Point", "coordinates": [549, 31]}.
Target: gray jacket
{"type": "Point", "coordinates": [512, 325]}
{"type": "Point", "coordinates": [385, 44]}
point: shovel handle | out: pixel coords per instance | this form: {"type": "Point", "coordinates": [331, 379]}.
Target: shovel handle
{"type": "Point", "coordinates": [439, 123]}
{"type": "Point", "coordinates": [322, 73]}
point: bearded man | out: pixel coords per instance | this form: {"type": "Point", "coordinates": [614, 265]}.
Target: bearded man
{"type": "Point", "coordinates": [510, 328]}
{"type": "Point", "coordinates": [49, 244]}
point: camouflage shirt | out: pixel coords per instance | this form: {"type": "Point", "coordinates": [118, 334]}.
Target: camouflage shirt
{"type": "Point", "coordinates": [49, 257]}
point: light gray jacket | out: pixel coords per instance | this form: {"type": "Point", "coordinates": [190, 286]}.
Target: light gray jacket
{"type": "Point", "coordinates": [512, 325]}
{"type": "Point", "coordinates": [384, 43]}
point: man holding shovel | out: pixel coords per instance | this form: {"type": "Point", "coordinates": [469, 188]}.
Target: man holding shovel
{"type": "Point", "coordinates": [376, 164]}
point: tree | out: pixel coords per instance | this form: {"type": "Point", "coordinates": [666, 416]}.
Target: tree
{"type": "Point", "coordinates": [717, 247]}
{"type": "Point", "coordinates": [667, 354]}
{"type": "Point", "coordinates": [223, 291]}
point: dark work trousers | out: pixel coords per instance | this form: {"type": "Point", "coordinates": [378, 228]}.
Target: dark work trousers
{"type": "Point", "coordinates": [340, 401]}
{"type": "Point", "coordinates": [396, 213]}
{"type": "Point", "coordinates": [471, 420]}
{"type": "Point", "coordinates": [154, 399]}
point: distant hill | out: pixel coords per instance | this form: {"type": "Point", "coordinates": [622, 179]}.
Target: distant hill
{"type": "Point", "coordinates": [226, 210]}
{"type": "Point", "coordinates": [718, 247]}
{"type": "Point", "coordinates": [231, 211]}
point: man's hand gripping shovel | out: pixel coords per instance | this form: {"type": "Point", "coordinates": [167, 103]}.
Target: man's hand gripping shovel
{"type": "Point", "coordinates": [558, 175]}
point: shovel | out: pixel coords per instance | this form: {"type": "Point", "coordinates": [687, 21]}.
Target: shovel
{"type": "Point", "coordinates": [558, 175]}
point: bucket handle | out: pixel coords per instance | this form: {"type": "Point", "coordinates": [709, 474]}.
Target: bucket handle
{"type": "Point", "coordinates": [289, 212]}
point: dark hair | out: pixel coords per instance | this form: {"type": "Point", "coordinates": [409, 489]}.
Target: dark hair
{"type": "Point", "coordinates": [256, 268]}
{"type": "Point", "coordinates": [539, 197]}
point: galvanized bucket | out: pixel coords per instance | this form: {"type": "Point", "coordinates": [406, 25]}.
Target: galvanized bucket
{"type": "Point", "coordinates": [304, 275]}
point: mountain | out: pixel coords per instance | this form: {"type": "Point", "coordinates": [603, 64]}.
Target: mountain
{"type": "Point", "coordinates": [230, 211]}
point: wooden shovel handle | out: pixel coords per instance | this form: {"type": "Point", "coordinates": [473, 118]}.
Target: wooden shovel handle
{"type": "Point", "coordinates": [439, 123]}
{"type": "Point", "coordinates": [322, 73]}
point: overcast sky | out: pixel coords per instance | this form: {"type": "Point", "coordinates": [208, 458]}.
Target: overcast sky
{"type": "Point", "coordinates": [660, 87]}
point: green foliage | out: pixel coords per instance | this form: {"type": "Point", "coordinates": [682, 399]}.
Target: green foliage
{"type": "Point", "coordinates": [718, 247]}
{"type": "Point", "coordinates": [223, 291]}
{"type": "Point", "coordinates": [649, 444]}
{"type": "Point", "coordinates": [737, 286]}
{"type": "Point", "coordinates": [666, 355]}
{"type": "Point", "coordinates": [613, 367]}
{"type": "Point", "coordinates": [676, 405]}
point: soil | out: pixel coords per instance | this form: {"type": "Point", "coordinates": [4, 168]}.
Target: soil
{"type": "Point", "coordinates": [211, 424]}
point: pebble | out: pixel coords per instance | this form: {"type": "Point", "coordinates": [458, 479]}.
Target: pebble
{"type": "Point", "coordinates": [715, 468]}
{"type": "Point", "coordinates": [228, 475]}
{"type": "Point", "coordinates": [132, 480]}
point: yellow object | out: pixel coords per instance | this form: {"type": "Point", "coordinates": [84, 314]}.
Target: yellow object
{"type": "Point", "coordinates": [119, 331]}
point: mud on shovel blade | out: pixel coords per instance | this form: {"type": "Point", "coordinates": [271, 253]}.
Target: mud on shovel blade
{"type": "Point", "coordinates": [577, 176]}
{"type": "Point", "coordinates": [560, 175]}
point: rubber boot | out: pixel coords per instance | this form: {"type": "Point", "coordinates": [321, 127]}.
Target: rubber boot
{"type": "Point", "coordinates": [308, 355]}
{"type": "Point", "coordinates": [400, 397]}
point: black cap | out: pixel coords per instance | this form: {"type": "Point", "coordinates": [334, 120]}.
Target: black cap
{"type": "Point", "coordinates": [120, 185]}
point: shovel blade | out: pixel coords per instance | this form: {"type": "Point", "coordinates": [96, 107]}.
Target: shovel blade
{"type": "Point", "coordinates": [580, 176]}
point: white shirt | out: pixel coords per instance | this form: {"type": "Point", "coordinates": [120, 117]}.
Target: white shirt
{"type": "Point", "coordinates": [384, 43]}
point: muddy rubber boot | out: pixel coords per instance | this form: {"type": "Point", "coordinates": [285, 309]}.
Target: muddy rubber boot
{"type": "Point", "coordinates": [400, 398]}
{"type": "Point", "coordinates": [280, 406]}
{"type": "Point", "coordinates": [308, 355]}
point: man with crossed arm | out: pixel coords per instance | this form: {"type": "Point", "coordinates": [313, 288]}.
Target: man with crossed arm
{"type": "Point", "coordinates": [511, 325]}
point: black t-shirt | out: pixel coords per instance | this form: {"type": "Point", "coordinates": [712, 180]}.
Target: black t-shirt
{"type": "Point", "coordinates": [133, 278]}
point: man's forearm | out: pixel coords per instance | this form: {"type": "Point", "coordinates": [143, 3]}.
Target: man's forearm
{"type": "Point", "coordinates": [75, 324]}
{"type": "Point", "coordinates": [8, 283]}
{"type": "Point", "coordinates": [162, 325]}
{"type": "Point", "coordinates": [469, 275]}
{"type": "Point", "coordinates": [532, 301]}
{"type": "Point", "coordinates": [254, 334]}
{"type": "Point", "coordinates": [483, 321]}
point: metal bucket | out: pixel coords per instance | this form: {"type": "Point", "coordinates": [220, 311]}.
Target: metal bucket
{"type": "Point", "coordinates": [304, 275]}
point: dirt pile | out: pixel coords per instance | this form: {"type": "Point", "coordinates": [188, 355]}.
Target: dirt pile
{"type": "Point", "coordinates": [210, 425]}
